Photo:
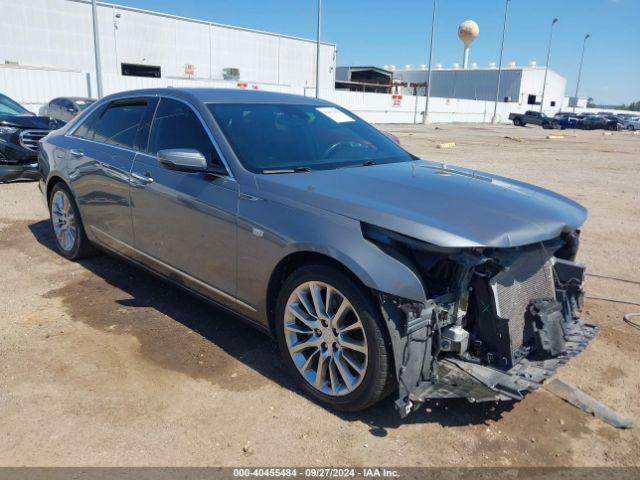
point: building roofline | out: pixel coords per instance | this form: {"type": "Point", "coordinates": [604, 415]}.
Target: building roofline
{"type": "Point", "coordinates": [202, 22]}
{"type": "Point", "coordinates": [358, 68]}
{"type": "Point", "coordinates": [484, 69]}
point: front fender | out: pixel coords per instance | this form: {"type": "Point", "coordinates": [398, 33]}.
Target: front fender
{"type": "Point", "coordinates": [269, 231]}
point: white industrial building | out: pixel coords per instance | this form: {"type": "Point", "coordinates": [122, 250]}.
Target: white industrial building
{"type": "Point", "coordinates": [520, 86]}
{"type": "Point", "coordinates": [47, 50]}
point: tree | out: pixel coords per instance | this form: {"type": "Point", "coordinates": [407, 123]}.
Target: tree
{"type": "Point", "coordinates": [591, 103]}
{"type": "Point", "coordinates": [635, 106]}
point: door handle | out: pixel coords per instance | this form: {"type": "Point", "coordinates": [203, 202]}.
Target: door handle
{"type": "Point", "coordinates": [76, 153]}
{"type": "Point", "coordinates": [141, 179]}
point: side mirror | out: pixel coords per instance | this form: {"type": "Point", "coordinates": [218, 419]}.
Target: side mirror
{"type": "Point", "coordinates": [183, 160]}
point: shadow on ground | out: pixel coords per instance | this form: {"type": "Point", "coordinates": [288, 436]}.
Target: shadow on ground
{"type": "Point", "coordinates": [180, 332]}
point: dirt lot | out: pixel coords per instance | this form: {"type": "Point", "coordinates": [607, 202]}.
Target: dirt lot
{"type": "Point", "coordinates": [101, 364]}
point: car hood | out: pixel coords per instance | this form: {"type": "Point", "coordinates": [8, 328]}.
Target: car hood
{"type": "Point", "coordinates": [443, 205]}
{"type": "Point", "coordinates": [30, 121]}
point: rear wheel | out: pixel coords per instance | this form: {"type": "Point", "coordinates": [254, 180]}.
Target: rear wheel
{"type": "Point", "coordinates": [518, 123]}
{"type": "Point", "coordinates": [71, 240]}
{"type": "Point", "coordinates": [632, 128]}
{"type": "Point", "coordinates": [332, 339]}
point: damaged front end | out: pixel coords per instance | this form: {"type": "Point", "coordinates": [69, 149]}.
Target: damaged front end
{"type": "Point", "coordinates": [498, 321]}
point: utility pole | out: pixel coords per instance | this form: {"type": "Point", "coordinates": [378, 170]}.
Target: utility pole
{"type": "Point", "coordinates": [504, 31]}
{"type": "Point", "coordinates": [575, 98]}
{"type": "Point", "coordinates": [318, 50]}
{"type": "Point", "coordinates": [425, 117]}
{"type": "Point", "coordinates": [96, 46]}
{"type": "Point", "coordinates": [546, 70]}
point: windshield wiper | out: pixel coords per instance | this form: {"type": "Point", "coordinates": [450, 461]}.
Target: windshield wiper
{"type": "Point", "coordinates": [287, 170]}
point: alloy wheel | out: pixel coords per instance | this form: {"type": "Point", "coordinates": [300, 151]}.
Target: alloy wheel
{"type": "Point", "coordinates": [325, 338]}
{"type": "Point", "coordinates": [63, 220]}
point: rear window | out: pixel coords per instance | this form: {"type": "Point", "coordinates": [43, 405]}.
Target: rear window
{"type": "Point", "coordinates": [119, 123]}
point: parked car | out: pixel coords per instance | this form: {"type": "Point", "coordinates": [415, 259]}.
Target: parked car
{"type": "Point", "coordinates": [535, 118]}
{"type": "Point", "coordinates": [632, 123]}
{"type": "Point", "coordinates": [65, 108]}
{"type": "Point", "coordinates": [597, 122]}
{"type": "Point", "coordinates": [20, 131]}
{"type": "Point", "coordinates": [375, 271]}
{"type": "Point", "coordinates": [567, 120]}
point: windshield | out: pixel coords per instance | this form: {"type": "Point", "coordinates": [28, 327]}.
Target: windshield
{"type": "Point", "coordinates": [10, 107]}
{"type": "Point", "coordinates": [280, 138]}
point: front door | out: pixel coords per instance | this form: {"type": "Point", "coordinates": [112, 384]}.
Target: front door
{"type": "Point", "coordinates": [185, 223]}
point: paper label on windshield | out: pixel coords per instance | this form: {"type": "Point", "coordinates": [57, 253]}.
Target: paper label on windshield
{"type": "Point", "coordinates": [335, 114]}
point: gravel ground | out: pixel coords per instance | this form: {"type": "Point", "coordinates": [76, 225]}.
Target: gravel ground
{"type": "Point", "coordinates": [101, 364]}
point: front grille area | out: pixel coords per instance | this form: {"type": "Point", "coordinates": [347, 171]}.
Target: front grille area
{"type": "Point", "coordinates": [29, 138]}
{"type": "Point", "coordinates": [529, 277]}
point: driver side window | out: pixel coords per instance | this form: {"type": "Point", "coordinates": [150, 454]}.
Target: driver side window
{"type": "Point", "coordinates": [176, 125]}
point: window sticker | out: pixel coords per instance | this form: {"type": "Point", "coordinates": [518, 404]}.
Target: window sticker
{"type": "Point", "coordinates": [335, 114]}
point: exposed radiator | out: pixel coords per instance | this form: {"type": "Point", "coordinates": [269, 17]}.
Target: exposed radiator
{"type": "Point", "coordinates": [529, 277]}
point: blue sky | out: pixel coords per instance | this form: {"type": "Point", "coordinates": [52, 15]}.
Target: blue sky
{"type": "Point", "coordinates": [379, 32]}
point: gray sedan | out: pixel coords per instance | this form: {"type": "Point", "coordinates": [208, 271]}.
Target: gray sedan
{"type": "Point", "coordinates": [375, 271]}
{"type": "Point", "coordinates": [65, 108]}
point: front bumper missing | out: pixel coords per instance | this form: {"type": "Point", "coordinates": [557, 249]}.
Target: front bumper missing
{"type": "Point", "coordinates": [457, 378]}
{"type": "Point", "coordinates": [478, 383]}
{"type": "Point", "coordinates": [491, 366]}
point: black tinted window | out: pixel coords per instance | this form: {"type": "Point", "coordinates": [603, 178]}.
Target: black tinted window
{"type": "Point", "coordinates": [86, 128]}
{"type": "Point", "coordinates": [119, 123]}
{"type": "Point", "coordinates": [177, 126]}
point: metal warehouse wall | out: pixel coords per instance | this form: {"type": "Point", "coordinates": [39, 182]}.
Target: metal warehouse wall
{"type": "Point", "coordinates": [532, 80]}
{"type": "Point", "coordinates": [57, 35]}
{"type": "Point", "coordinates": [467, 84]}
{"type": "Point", "coordinates": [480, 84]}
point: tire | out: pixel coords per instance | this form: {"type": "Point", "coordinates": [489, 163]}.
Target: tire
{"type": "Point", "coordinates": [375, 380]}
{"type": "Point", "coordinates": [68, 231]}
{"type": "Point", "coordinates": [517, 122]}
{"type": "Point", "coordinates": [631, 128]}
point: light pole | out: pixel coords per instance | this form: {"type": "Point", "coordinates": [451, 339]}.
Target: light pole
{"type": "Point", "coordinates": [575, 98]}
{"type": "Point", "coordinates": [546, 69]}
{"type": "Point", "coordinates": [504, 31]}
{"type": "Point", "coordinates": [318, 50]}
{"type": "Point", "coordinates": [96, 46]}
{"type": "Point", "coordinates": [425, 117]}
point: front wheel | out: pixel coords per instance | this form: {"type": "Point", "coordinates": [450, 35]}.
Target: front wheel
{"type": "Point", "coordinates": [332, 339]}
{"type": "Point", "coordinates": [71, 240]}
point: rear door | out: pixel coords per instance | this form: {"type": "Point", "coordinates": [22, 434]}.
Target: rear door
{"type": "Point", "coordinates": [185, 223]}
{"type": "Point", "coordinates": [101, 155]}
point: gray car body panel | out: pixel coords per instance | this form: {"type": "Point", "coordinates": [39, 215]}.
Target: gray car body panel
{"type": "Point", "coordinates": [445, 206]}
{"type": "Point", "coordinates": [321, 212]}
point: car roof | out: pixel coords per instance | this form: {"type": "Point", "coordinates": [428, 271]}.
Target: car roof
{"type": "Point", "coordinates": [225, 95]}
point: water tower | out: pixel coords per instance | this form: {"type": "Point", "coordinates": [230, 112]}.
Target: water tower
{"type": "Point", "coordinates": [467, 33]}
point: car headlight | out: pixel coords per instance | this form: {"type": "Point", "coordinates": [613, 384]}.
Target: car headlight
{"type": "Point", "coordinates": [8, 130]}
